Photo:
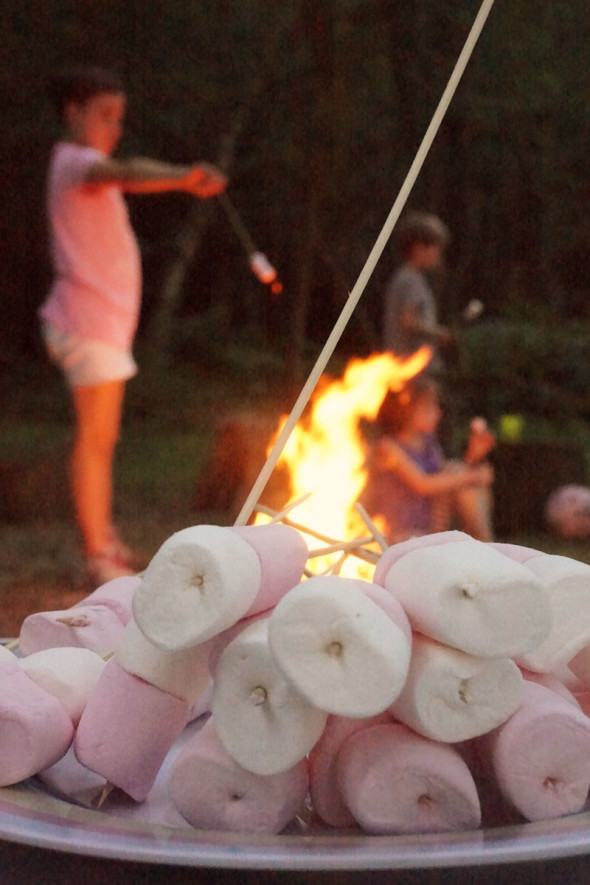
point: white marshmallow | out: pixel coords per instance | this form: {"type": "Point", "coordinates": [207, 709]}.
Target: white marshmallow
{"type": "Point", "coordinates": [263, 723]}
{"type": "Point", "coordinates": [340, 649]}
{"type": "Point", "coordinates": [201, 581]}
{"type": "Point", "coordinates": [183, 673]}
{"type": "Point", "coordinates": [470, 596]}
{"type": "Point", "coordinates": [452, 696]}
{"type": "Point", "coordinates": [69, 674]}
{"type": "Point", "coordinates": [567, 584]}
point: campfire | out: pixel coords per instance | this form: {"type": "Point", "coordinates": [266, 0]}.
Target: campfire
{"type": "Point", "coordinates": [324, 459]}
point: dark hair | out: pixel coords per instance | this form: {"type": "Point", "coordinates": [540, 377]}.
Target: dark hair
{"type": "Point", "coordinates": [421, 227]}
{"type": "Point", "coordinates": [397, 407]}
{"type": "Point", "coordinates": [80, 84]}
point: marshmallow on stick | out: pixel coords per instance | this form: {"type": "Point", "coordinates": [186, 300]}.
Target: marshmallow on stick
{"type": "Point", "coordinates": [201, 581]}
{"type": "Point", "coordinates": [69, 674]}
{"type": "Point", "coordinates": [325, 793]}
{"type": "Point", "coordinates": [394, 553]}
{"type": "Point", "coordinates": [396, 781]}
{"type": "Point", "coordinates": [116, 595]}
{"type": "Point", "coordinates": [452, 696]}
{"type": "Point", "coordinates": [283, 555]}
{"type": "Point", "coordinates": [183, 673]}
{"type": "Point", "coordinates": [35, 728]}
{"type": "Point", "coordinates": [214, 792]}
{"type": "Point", "coordinates": [469, 596]}
{"type": "Point", "coordinates": [262, 721]}
{"type": "Point", "coordinates": [127, 728]}
{"type": "Point", "coordinates": [94, 627]}
{"type": "Point", "coordinates": [541, 755]}
{"type": "Point", "coordinates": [344, 644]}
{"type": "Point", "coordinates": [567, 585]}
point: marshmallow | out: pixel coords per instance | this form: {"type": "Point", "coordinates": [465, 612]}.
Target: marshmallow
{"type": "Point", "coordinates": [116, 595]}
{"type": "Point", "coordinates": [126, 730]}
{"type": "Point", "coordinates": [343, 651]}
{"type": "Point", "coordinates": [213, 792]}
{"type": "Point", "coordinates": [201, 581]}
{"type": "Point", "coordinates": [515, 551]}
{"type": "Point", "coordinates": [567, 585]}
{"type": "Point", "coordinates": [452, 696]}
{"type": "Point", "coordinates": [324, 790]}
{"type": "Point", "coordinates": [283, 555]}
{"type": "Point", "coordinates": [541, 755]}
{"type": "Point", "coordinates": [262, 721]}
{"type": "Point", "coordinates": [394, 553]}
{"type": "Point", "coordinates": [35, 728]}
{"type": "Point", "coordinates": [94, 627]}
{"type": "Point", "coordinates": [183, 673]}
{"type": "Point", "coordinates": [469, 596]}
{"type": "Point", "coordinates": [69, 674]}
{"type": "Point", "coordinates": [395, 781]}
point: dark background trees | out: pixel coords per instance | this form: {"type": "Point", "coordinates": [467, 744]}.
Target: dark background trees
{"type": "Point", "coordinates": [317, 108]}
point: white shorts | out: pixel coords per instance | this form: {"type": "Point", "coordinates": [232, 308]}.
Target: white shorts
{"type": "Point", "coordinates": [85, 361]}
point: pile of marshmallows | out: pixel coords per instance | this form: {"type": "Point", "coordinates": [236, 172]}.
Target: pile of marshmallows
{"type": "Point", "coordinates": [455, 680]}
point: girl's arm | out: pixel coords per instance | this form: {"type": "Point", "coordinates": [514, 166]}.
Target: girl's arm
{"type": "Point", "coordinates": [142, 175]}
{"type": "Point", "coordinates": [391, 457]}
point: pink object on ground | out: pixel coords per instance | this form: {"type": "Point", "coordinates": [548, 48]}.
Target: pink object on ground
{"type": "Point", "coordinates": [283, 554]}
{"type": "Point", "coordinates": [541, 755]}
{"type": "Point", "coordinates": [115, 595]}
{"type": "Point", "coordinates": [127, 729]}
{"type": "Point", "coordinates": [396, 551]}
{"type": "Point", "coordinates": [326, 798]}
{"type": "Point", "coordinates": [86, 626]}
{"type": "Point", "coordinates": [35, 728]}
{"type": "Point", "coordinates": [213, 792]}
{"type": "Point", "coordinates": [395, 781]}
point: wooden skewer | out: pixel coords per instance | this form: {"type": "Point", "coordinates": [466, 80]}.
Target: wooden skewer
{"type": "Point", "coordinates": [337, 548]}
{"type": "Point", "coordinates": [106, 792]}
{"type": "Point", "coordinates": [377, 535]}
{"type": "Point", "coordinates": [282, 513]}
{"type": "Point", "coordinates": [12, 645]}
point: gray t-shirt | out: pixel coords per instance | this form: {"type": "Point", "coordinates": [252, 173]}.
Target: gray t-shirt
{"type": "Point", "coordinates": [407, 288]}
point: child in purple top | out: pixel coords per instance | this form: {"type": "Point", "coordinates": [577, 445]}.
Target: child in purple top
{"type": "Point", "coordinates": [90, 315]}
{"type": "Point", "coordinates": [411, 486]}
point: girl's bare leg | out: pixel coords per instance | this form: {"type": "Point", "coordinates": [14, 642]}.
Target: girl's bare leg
{"type": "Point", "coordinates": [98, 417]}
{"type": "Point", "coordinates": [473, 506]}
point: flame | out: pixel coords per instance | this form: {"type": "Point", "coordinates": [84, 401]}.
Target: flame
{"type": "Point", "coordinates": [325, 453]}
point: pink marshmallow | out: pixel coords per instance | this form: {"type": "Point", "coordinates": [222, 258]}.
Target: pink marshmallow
{"type": "Point", "coordinates": [35, 728]}
{"type": "Point", "coordinates": [115, 595]}
{"type": "Point", "coordinates": [394, 553]}
{"type": "Point", "coordinates": [283, 554]}
{"type": "Point", "coordinates": [86, 626]}
{"type": "Point", "coordinates": [325, 793]}
{"type": "Point", "coordinates": [541, 755]}
{"type": "Point", "coordinates": [127, 728]}
{"type": "Point", "coordinates": [213, 792]}
{"type": "Point", "coordinates": [395, 781]}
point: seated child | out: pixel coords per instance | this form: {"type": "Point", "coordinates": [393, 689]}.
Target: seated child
{"type": "Point", "coordinates": [411, 485]}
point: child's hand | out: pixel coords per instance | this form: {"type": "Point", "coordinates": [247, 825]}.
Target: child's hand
{"type": "Point", "coordinates": [481, 442]}
{"type": "Point", "coordinates": [205, 181]}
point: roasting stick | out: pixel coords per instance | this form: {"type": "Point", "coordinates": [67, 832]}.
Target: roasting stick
{"type": "Point", "coordinates": [278, 517]}
{"type": "Point", "coordinates": [367, 270]}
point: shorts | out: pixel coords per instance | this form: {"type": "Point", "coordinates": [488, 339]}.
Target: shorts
{"type": "Point", "coordinates": [85, 361]}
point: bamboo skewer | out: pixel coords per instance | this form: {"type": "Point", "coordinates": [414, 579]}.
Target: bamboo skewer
{"type": "Point", "coordinates": [377, 536]}
{"type": "Point", "coordinates": [368, 268]}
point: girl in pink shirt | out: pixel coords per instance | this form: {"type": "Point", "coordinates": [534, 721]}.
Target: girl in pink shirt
{"type": "Point", "coordinates": [90, 315]}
